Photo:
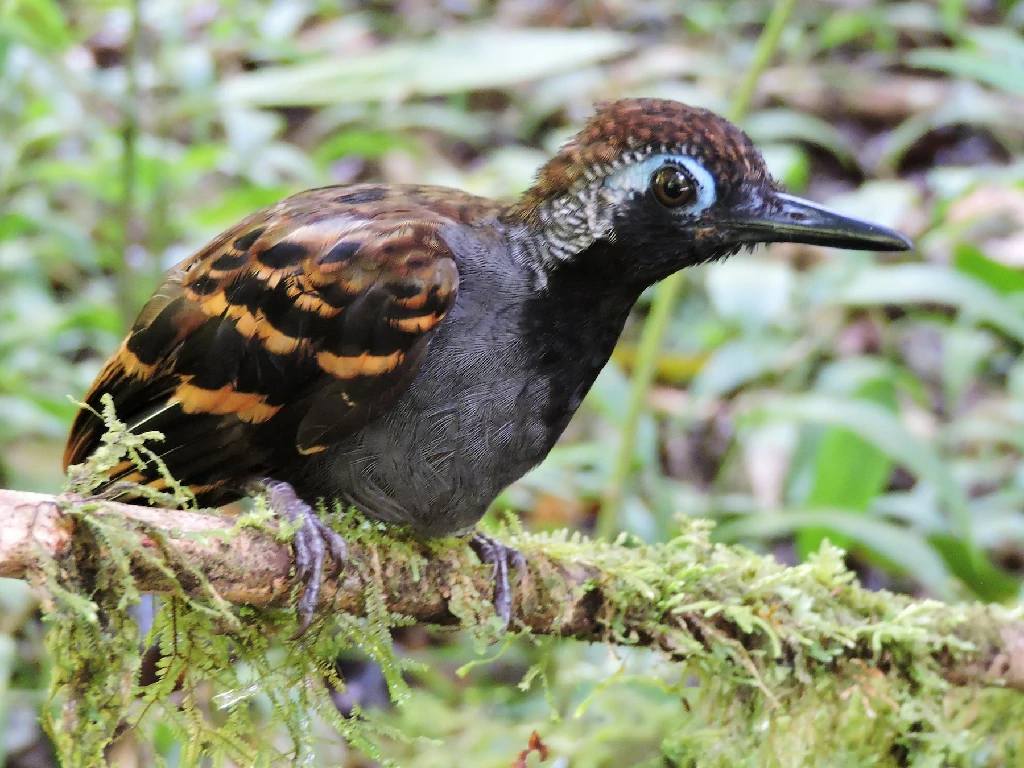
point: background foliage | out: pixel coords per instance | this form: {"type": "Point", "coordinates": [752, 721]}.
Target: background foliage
{"type": "Point", "coordinates": [801, 393]}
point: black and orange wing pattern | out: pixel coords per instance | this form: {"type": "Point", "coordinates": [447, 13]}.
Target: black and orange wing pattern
{"type": "Point", "coordinates": [285, 334]}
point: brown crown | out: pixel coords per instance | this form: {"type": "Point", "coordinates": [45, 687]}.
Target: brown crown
{"type": "Point", "coordinates": [649, 125]}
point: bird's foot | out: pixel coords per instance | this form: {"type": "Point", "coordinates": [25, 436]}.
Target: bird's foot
{"type": "Point", "coordinates": [500, 556]}
{"type": "Point", "coordinates": [313, 539]}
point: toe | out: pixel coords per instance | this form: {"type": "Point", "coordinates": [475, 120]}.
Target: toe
{"type": "Point", "coordinates": [306, 606]}
{"type": "Point", "coordinates": [313, 539]}
{"type": "Point", "coordinates": [334, 544]}
{"type": "Point", "coordinates": [500, 557]}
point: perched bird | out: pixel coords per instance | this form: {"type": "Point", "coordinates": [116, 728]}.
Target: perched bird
{"type": "Point", "coordinates": [412, 350]}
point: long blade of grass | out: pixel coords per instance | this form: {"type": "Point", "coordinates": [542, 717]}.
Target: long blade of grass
{"type": "Point", "coordinates": [669, 291]}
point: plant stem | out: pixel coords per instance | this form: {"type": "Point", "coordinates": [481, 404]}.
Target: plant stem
{"type": "Point", "coordinates": [126, 288]}
{"type": "Point", "coordinates": [824, 619]}
{"type": "Point", "coordinates": [663, 306]}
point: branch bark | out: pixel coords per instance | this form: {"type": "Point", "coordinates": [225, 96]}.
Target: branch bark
{"type": "Point", "coordinates": [577, 589]}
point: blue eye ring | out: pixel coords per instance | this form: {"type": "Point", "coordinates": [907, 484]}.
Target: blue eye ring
{"type": "Point", "coordinates": [672, 186]}
{"type": "Point", "coordinates": [638, 178]}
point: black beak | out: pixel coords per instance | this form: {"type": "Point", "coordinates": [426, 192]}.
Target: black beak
{"type": "Point", "coordinates": [795, 220]}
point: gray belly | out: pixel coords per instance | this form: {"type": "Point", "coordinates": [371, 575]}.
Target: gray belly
{"type": "Point", "coordinates": [505, 371]}
{"type": "Point", "coordinates": [466, 428]}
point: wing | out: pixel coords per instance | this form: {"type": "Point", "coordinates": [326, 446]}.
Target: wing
{"type": "Point", "coordinates": [284, 335]}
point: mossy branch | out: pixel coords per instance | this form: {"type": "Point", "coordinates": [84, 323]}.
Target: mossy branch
{"type": "Point", "coordinates": [689, 597]}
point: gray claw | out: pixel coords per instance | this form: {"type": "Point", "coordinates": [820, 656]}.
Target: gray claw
{"type": "Point", "coordinates": [313, 539]}
{"type": "Point", "coordinates": [500, 556]}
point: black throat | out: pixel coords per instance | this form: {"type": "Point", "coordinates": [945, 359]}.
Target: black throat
{"type": "Point", "coordinates": [572, 325]}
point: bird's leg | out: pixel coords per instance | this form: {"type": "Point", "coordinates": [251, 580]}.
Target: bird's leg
{"type": "Point", "coordinates": [313, 539]}
{"type": "Point", "coordinates": [500, 557]}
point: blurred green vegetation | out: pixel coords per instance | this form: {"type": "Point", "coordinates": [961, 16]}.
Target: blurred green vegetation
{"type": "Point", "coordinates": [801, 393]}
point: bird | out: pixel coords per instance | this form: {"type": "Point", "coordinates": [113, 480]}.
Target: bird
{"type": "Point", "coordinates": [412, 350]}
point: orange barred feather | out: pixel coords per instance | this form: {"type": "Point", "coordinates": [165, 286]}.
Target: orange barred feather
{"type": "Point", "coordinates": [284, 334]}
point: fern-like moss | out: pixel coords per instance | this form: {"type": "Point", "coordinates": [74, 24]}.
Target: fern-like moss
{"type": "Point", "coordinates": [228, 680]}
{"type": "Point", "coordinates": [759, 665]}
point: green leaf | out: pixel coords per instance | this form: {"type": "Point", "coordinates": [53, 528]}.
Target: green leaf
{"type": "Point", "coordinates": [449, 63]}
{"type": "Point", "coordinates": [369, 145]}
{"type": "Point", "coordinates": [906, 284]}
{"type": "Point", "coordinates": [903, 547]}
{"type": "Point", "coordinates": [847, 25]}
{"type": "Point", "coordinates": [7, 663]}
{"type": "Point", "coordinates": [38, 23]}
{"type": "Point", "coordinates": [739, 362]}
{"type": "Point", "coordinates": [980, 66]}
{"type": "Point", "coordinates": [788, 163]}
{"type": "Point", "coordinates": [847, 471]}
{"type": "Point", "coordinates": [771, 125]}
{"type": "Point", "coordinates": [986, 580]}
{"type": "Point", "coordinates": [235, 205]}
{"type": "Point", "coordinates": [965, 351]}
{"type": "Point", "coordinates": [970, 260]}
{"type": "Point", "coordinates": [885, 202]}
{"type": "Point", "coordinates": [752, 293]}
{"type": "Point", "coordinates": [883, 429]}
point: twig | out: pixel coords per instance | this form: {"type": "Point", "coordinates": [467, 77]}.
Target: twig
{"type": "Point", "coordinates": [126, 287]}
{"type": "Point", "coordinates": [692, 595]}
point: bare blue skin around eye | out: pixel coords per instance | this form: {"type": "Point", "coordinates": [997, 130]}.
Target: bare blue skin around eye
{"type": "Point", "coordinates": [637, 178]}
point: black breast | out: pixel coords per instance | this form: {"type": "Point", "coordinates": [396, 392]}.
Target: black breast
{"type": "Point", "coordinates": [573, 325]}
{"type": "Point", "coordinates": [503, 376]}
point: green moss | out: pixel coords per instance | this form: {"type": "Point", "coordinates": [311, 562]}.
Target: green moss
{"type": "Point", "coordinates": [771, 665]}
{"type": "Point", "coordinates": [788, 666]}
{"type": "Point", "coordinates": [228, 680]}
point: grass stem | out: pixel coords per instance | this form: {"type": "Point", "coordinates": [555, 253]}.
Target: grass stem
{"type": "Point", "coordinates": [126, 287]}
{"type": "Point", "coordinates": [669, 291]}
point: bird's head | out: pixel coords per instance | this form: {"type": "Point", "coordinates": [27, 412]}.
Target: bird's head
{"type": "Point", "coordinates": [673, 186]}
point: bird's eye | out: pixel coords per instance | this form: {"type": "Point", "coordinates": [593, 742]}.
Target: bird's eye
{"type": "Point", "coordinates": [673, 187]}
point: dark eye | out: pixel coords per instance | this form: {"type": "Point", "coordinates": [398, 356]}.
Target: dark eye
{"type": "Point", "coordinates": [673, 187]}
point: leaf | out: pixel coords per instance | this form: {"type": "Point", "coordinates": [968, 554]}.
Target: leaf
{"type": "Point", "coordinates": [882, 429]}
{"type": "Point", "coordinates": [970, 260]}
{"type": "Point", "coordinates": [949, 182]}
{"type": "Point", "coordinates": [998, 519]}
{"type": "Point", "coordinates": [965, 351]}
{"type": "Point", "coordinates": [368, 145]}
{"type": "Point", "coordinates": [986, 580]}
{"type": "Point", "coordinates": [39, 23]}
{"type": "Point", "coordinates": [750, 292]}
{"type": "Point", "coordinates": [8, 658]}
{"type": "Point", "coordinates": [915, 507]}
{"type": "Point", "coordinates": [905, 284]}
{"type": "Point", "coordinates": [788, 163]}
{"type": "Point", "coordinates": [789, 125]}
{"type": "Point", "coordinates": [847, 25]}
{"type": "Point", "coordinates": [904, 547]}
{"type": "Point", "coordinates": [448, 63]}
{"type": "Point", "coordinates": [995, 71]}
{"type": "Point", "coordinates": [847, 471]}
{"type": "Point", "coordinates": [739, 362]}
{"type": "Point", "coordinates": [885, 202]}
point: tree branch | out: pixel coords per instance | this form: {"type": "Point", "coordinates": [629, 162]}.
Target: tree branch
{"type": "Point", "coordinates": [682, 597]}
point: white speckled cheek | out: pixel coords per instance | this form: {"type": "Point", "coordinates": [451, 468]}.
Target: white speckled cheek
{"type": "Point", "coordinates": [637, 177]}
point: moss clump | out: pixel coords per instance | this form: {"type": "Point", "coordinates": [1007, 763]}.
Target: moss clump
{"type": "Point", "coordinates": [760, 665]}
{"type": "Point", "coordinates": [227, 681]}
